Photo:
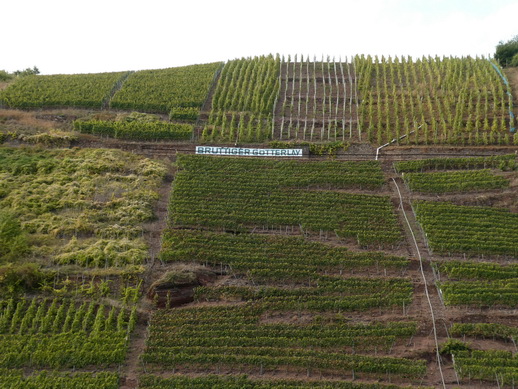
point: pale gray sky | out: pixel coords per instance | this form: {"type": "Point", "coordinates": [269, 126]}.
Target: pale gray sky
{"type": "Point", "coordinates": [67, 36]}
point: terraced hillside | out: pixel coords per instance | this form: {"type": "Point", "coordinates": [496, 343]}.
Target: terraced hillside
{"type": "Point", "coordinates": [330, 270]}
{"type": "Point", "coordinates": [462, 101]}
{"type": "Point", "coordinates": [317, 101]}
{"type": "Point", "coordinates": [74, 243]}
{"type": "Point", "coordinates": [424, 101]}
{"type": "Point", "coordinates": [285, 268]}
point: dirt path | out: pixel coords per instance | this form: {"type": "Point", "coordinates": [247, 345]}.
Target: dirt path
{"type": "Point", "coordinates": [426, 293]}
{"type": "Point", "coordinates": [129, 375]}
{"type": "Point", "coordinates": [137, 345]}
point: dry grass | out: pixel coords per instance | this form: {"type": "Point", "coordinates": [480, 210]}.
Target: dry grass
{"type": "Point", "coordinates": [32, 122]}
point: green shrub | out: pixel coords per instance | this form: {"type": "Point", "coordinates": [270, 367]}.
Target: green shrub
{"type": "Point", "coordinates": [13, 242]}
{"type": "Point", "coordinates": [21, 277]}
{"type": "Point", "coordinates": [453, 345]}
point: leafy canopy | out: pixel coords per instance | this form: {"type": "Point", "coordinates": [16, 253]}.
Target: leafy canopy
{"type": "Point", "coordinates": [507, 53]}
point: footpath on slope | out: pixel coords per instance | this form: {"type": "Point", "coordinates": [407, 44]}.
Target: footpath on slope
{"type": "Point", "coordinates": [137, 344]}
{"type": "Point", "coordinates": [417, 246]}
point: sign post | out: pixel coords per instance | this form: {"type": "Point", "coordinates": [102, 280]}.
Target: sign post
{"type": "Point", "coordinates": [247, 152]}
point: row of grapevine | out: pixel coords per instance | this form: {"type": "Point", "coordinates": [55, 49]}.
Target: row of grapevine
{"type": "Point", "coordinates": [491, 365]}
{"type": "Point", "coordinates": [15, 379]}
{"type": "Point", "coordinates": [470, 230]}
{"type": "Point", "coordinates": [330, 294]}
{"type": "Point", "coordinates": [242, 324]}
{"type": "Point", "coordinates": [476, 270]}
{"type": "Point", "coordinates": [317, 100]}
{"type": "Point", "coordinates": [60, 333]}
{"type": "Point", "coordinates": [433, 101]}
{"type": "Point", "coordinates": [244, 99]}
{"type": "Point", "coordinates": [243, 382]}
{"type": "Point", "coordinates": [485, 331]}
{"type": "Point", "coordinates": [280, 257]}
{"type": "Point", "coordinates": [502, 162]}
{"type": "Point", "coordinates": [453, 182]}
{"type": "Point", "coordinates": [479, 293]}
{"type": "Point", "coordinates": [190, 336]}
{"type": "Point", "coordinates": [75, 90]}
{"type": "Point", "coordinates": [259, 193]}
{"type": "Point", "coordinates": [135, 130]}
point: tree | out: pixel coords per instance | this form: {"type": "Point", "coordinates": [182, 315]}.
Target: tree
{"type": "Point", "coordinates": [5, 76]}
{"type": "Point", "coordinates": [506, 53]}
{"type": "Point", "coordinates": [27, 72]}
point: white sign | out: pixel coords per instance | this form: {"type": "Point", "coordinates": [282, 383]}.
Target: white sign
{"type": "Point", "coordinates": [245, 152]}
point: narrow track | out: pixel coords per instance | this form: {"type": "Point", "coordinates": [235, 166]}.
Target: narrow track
{"type": "Point", "coordinates": [438, 356]}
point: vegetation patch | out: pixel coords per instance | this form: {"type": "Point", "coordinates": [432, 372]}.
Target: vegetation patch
{"type": "Point", "coordinates": [76, 206]}
{"type": "Point", "coordinates": [191, 336]}
{"type": "Point", "coordinates": [136, 130]}
{"type": "Point", "coordinates": [60, 90]}
{"type": "Point", "coordinates": [468, 230]}
{"type": "Point", "coordinates": [61, 333]}
{"type": "Point", "coordinates": [239, 194]}
{"type": "Point", "coordinates": [179, 91]}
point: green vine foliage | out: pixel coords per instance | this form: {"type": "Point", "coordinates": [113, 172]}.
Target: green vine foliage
{"type": "Point", "coordinates": [368, 219]}
{"type": "Point", "coordinates": [319, 149]}
{"type": "Point", "coordinates": [242, 382]}
{"type": "Point", "coordinates": [15, 379]}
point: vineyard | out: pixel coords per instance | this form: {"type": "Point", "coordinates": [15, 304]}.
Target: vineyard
{"type": "Point", "coordinates": [345, 267]}
{"type": "Point", "coordinates": [135, 130]}
{"type": "Point", "coordinates": [243, 101]}
{"type": "Point", "coordinates": [487, 365]}
{"type": "Point", "coordinates": [280, 257]}
{"type": "Point", "coordinates": [58, 334]}
{"type": "Point", "coordinates": [445, 182]}
{"type": "Point", "coordinates": [468, 230]}
{"type": "Point", "coordinates": [267, 278]}
{"type": "Point", "coordinates": [433, 101]}
{"type": "Point", "coordinates": [77, 90]}
{"type": "Point", "coordinates": [275, 198]}
{"type": "Point", "coordinates": [424, 101]}
{"type": "Point", "coordinates": [191, 337]}
{"type": "Point", "coordinates": [317, 100]}
{"type": "Point", "coordinates": [179, 92]}
{"type": "Point", "coordinates": [473, 253]}
{"type": "Point", "coordinates": [14, 379]}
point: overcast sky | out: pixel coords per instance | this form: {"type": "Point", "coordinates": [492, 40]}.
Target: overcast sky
{"type": "Point", "coordinates": [79, 36]}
